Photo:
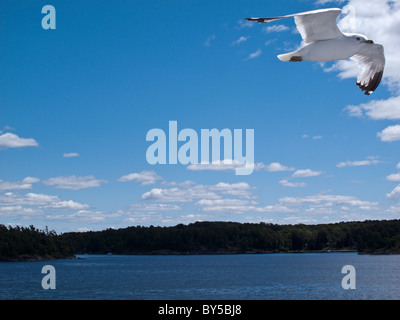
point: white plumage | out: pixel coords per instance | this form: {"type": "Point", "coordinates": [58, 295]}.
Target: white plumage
{"type": "Point", "coordinates": [323, 41]}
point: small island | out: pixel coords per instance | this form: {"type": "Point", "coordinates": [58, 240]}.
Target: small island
{"type": "Point", "coordinates": [368, 237]}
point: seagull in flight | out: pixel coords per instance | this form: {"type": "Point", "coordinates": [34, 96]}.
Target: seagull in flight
{"type": "Point", "coordinates": [323, 41]}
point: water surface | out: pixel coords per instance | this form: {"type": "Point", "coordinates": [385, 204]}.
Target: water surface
{"type": "Point", "coordinates": [222, 277]}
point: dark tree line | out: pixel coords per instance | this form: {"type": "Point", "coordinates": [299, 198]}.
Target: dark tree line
{"type": "Point", "coordinates": [217, 237]}
{"type": "Point", "coordinates": [20, 241]}
{"type": "Point", "coordinates": [205, 237]}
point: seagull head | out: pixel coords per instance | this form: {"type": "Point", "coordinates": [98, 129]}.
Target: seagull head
{"type": "Point", "coordinates": [360, 38]}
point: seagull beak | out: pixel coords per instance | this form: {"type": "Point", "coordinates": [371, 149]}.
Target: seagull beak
{"type": "Point", "coordinates": [368, 41]}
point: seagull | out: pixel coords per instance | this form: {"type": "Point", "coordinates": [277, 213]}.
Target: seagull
{"type": "Point", "coordinates": [323, 41]}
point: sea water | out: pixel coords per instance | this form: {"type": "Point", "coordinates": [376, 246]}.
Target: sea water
{"type": "Point", "coordinates": [206, 277]}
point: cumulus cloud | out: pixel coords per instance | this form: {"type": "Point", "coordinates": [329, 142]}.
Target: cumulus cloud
{"type": "Point", "coordinates": [395, 194]}
{"type": "Point", "coordinates": [155, 207]}
{"type": "Point", "coordinates": [74, 182]}
{"type": "Point", "coordinates": [11, 140]}
{"type": "Point", "coordinates": [240, 40]}
{"type": "Point", "coordinates": [232, 165]}
{"type": "Point", "coordinates": [82, 216]}
{"type": "Point", "coordinates": [144, 178]}
{"type": "Point", "coordinates": [305, 136]}
{"type": "Point", "coordinates": [71, 155]}
{"type": "Point", "coordinates": [239, 206]}
{"type": "Point", "coordinates": [275, 28]}
{"type": "Point", "coordinates": [327, 201]}
{"type": "Point", "coordinates": [377, 110]}
{"type": "Point", "coordinates": [189, 194]}
{"type": "Point", "coordinates": [324, 2]}
{"type": "Point", "coordinates": [277, 167]}
{"type": "Point", "coordinates": [306, 173]}
{"type": "Point", "coordinates": [289, 184]}
{"type": "Point", "coordinates": [25, 184]}
{"type": "Point", "coordinates": [359, 163]}
{"type": "Point", "coordinates": [7, 211]}
{"type": "Point", "coordinates": [244, 24]}
{"type": "Point", "coordinates": [254, 55]}
{"type": "Point", "coordinates": [390, 134]}
{"type": "Point", "coordinates": [393, 177]}
{"type": "Point", "coordinates": [224, 165]}
{"type": "Point", "coordinates": [34, 203]}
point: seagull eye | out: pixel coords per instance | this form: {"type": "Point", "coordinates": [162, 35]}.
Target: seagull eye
{"type": "Point", "coordinates": [358, 39]}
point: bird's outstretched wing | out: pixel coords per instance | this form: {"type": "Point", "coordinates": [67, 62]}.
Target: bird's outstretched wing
{"type": "Point", "coordinates": [313, 25]}
{"type": "Point", "coordinates": [372, 59]}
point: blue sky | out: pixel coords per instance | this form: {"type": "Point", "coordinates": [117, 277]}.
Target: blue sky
{"type": "Point", "coordinates": [77, 102]}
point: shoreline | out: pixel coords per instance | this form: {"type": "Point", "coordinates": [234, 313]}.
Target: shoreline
{"type": "Point", "coordinates": [213, 253]}
{"type": "Point", "coordinates": [38, 258]}
{"type": "Point", "coordinates": [34, 258]}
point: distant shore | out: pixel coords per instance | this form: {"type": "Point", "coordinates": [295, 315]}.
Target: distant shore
{"type": "Point", "coordinates": [36, 258]}
{"type": "Point", "coordinates": [33, 258]}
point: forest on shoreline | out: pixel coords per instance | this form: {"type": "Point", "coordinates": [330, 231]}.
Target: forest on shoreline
{"type": "Point", "coordinates": [371, 237]}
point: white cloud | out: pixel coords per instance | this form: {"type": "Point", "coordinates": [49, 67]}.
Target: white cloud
{"type": "Point", "coordinates": [277, 167]}
{"type": "Point", "coordinates": [38, 202]}
{"type": "Point", "coordinates": [393, 177]}
{"type": "Point", "coordinates": [239, 206]}
{"type": "Point", "coordinates": [232, 165]}
{"type": "Point", "coordinates": [74, 182]}
{"type": "Point", "coordinates": [287, 183]}
{"type": "Point", "coordinates": [25, 184]}
{"type": "Point", "coordinates": [178, 184]}
{"type": "Point", "coordinates": [391, 133]}
{"type": "Point", "coordinates": [240, 189]}
{"type": "Point", "coordinates": [395, 194]}
{"type": "Point", "coordinates": [240, 40]}
{"type": "Point", "coordinates": [254, 55]}
{"type": "Point", "coordinates": [66, 205]}
{"type": "Point", "coordinates": [71, 155]}
{"type": "Point", "coordinates": [11, 140]}
{"type": "Point", "coordinates": [208, 41]}
{"type": "Point", "coordinates": [189, 194]}
{"type": "Point", "coordinates": [144, 177]}
{"type": "Point", "coordinates": [306, 173]}
{"type": "Point", "coordinates": [377, 110]}
{"type": "Point", "coordinates": [398, 166]}
{"type": "Point", "coordinates": [7, 211]}
{"type": "Point", "coordinates": [359, 163]}
{"type": "Point", "coordinates": [151, 218]}
{"type": "Point", "coordinates": [318, 137]}
{"type": "Point", "coordinates": [179, 195]}
{"type": "Point", "coordinates": [224, 165]}
{"type": "Point", "coordinates": [82, 216]}
{"type": "Point", "coordinates": [324, 2]}
{"type": "Point", "coordinates": [31, 180]}
{"type": "Point", "coordinates": [327, 201]}
{"type": "Point", "coordinates": [275, 28]}
{"type": "Point", "coordinates": [155, 207]}
{"type": "Point", "coordinates": [245, 24]}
